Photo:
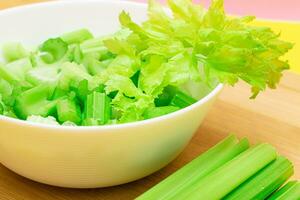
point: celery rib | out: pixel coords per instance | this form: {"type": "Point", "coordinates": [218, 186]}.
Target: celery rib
{"type": "Point", "coordinates": [291, 191]}
{"type": "Point", "coordinates": [195, 170]}
{"type": "Point", "coordinates": [262, 184]}
{"type": "Point", "coordinates": [229, 176]}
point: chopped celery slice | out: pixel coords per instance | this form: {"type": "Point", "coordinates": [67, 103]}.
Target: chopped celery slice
{"type": "Point", "coordinates": [34, 102]}
{"type": "Point", "coordinates": [265, 182]}
{"type": "Point", "coordinates": [15, 71]}
{"type": "Point", "coordinates": [77, 36]}
{"type": "Point", "coordinates": [13, 51]}
{"type": "Point", "coordinates": [75, 54]}
{"type": "Point", "coordinates": [93, 65]}
{"type": "Point", "coordinates": [182, 99]}
{"type": "Point", "coordinates": [7, 75]}
{"type": "Point", "coordinates": [166, 97]}
{"type": "Point", "coordinates": [42, 75]}
{"type": "Point", "coordinates": [92, 43]}
{"type": "Point", "coordinates": [159, 111]}
{"type": "Point", "coordinates": [200, 167]}
{"type": "Point", "coordinates": [97, 110]}
{"type": "Point", "coordinates": [6, 89]}
{"type": "Point", "coordinates": [290, 191]}
{"type": "Point", "coordinates": [54, 49]}
{"type": "Point", "coordinates": [73, 72]}
{"type": "Point", "coordinates": [223, 180]}
{"type": "Point", "coordinates": [68, 110]}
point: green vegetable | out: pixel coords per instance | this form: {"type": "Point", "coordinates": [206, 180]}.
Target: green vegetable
{"type": "Point", "coordinates": [13, 51]}
{"type": "Point", "coordinates": [265, 182]}
{"type": "Point", "coordinates": [169, 60]}
{"type": "Point", "coordinates": [42, 75]}
{"type": "Point", "coordinates": [231, 175]}
{"type": "Point", "coordinates": [68, 110]}
{"type": "Point", "coordinates": [97, 110]}
{"type": "Point", "coordinates": [77, 36]}
{"type": "Point", "coordinates": [290, 191]}
{"type": "Point", "coordinates": [35, 102]}
{"type": "Point", "coordinates": [200, 167]}
{"type": "Point", "coordinates": [159, 111]}
{"type": "Point", "coordinates": [53, 50]}
{"type": "Point", "coordinates": [182, 100]}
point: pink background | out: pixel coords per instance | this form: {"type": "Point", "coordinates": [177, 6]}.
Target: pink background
{"type": "Point", "coordinates": [268, 9]}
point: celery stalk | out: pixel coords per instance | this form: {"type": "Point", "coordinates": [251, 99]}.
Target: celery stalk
{"type": "Point", "coordinates": [77, 36]}
{"type": "Point", "coordinates": [13, 51]}
{"type": "Point", "coordinates": [229, 176]}
{"type": "Point", "coordinates": [159, 111]}
{"type": "Point", "coordinates": [97, 109]}
{"type": "Point", "coordinates": [182, 100]}
{"type": "Point", "coordinates": [221, 153]}
{"type": "Point", "coordinates": [34, 102]}
{"type": "Point", "coordinates": [68, 110]}
{"type": "Point", "coordinates": [265, 182]}
{"type": "Point", "coordinates": [291, 191]}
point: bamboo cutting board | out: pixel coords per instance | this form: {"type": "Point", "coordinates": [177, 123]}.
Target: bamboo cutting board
{"type": "Point", "coordinates": [274, 117]}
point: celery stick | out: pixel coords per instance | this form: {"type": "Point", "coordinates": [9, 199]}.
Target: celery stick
{"type": "Point", "coordinates": [265, 182]}
{"type": "Point", "coordinates": [77, 36]}
{"type": "Point", "coordinates": [97, 109]}
{"type": "Point", "coordinates": [54, 49]}
{"type": "Point", "coordinates": [215, 157]}
{"type": "Point", "coordinates": [229, 176]}
{"type": "Point", "coordinates": [34, 102]}
{"type": "Point", "coordinates": [291, 191]}
{"type": "Point", "coordinates": [159, 111]}
{"type": "Point", "coordinates": [166, 97]}
{"type": "Point", "coordinates": [42, 75]}
{"type": "Point", "coordinates": [68, 110]}
{"type": "Point", "coordinates": [92, 43]}
{"type": "Point", "coordinates": [182, 100]}
{"type": "Point", "coordinates": [13, 51]}
{"type": "Point", "coordinates": [15, 71]}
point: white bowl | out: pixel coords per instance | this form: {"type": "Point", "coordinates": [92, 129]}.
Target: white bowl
{"type": "Point", "coordinates": [89, 157]}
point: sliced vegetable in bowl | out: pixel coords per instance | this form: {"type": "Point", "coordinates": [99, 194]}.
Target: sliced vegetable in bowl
{"type": "Point", "coordinates": [141, 71]}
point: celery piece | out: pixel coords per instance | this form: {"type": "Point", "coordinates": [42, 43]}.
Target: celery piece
{"type": "Point", "coordinates": [223, 180]}
{"type": "Point", "coordinates": [166, 97]}
{"type": "Point", "coordinates": [68, 110]}
{"type": "Point", "coordinates": [92, 43]}
{"type": "Point", "coordinates": [265, 182]}
{"type": "Point", "coordinates": [77, 36]}
{"type": "Point", "coordinates": [59, 93]}
{"type": "Point", "coordinates": [6, 75]}
{"type": "Point", "coordinates": [159, 111]}
{"type": "Point", "coordinates": [34, 102]}
{"type": "Point", "coordinates": [93, 65]}
{"type": "Point", "coordinates": [290, 191]}
{"type": "Point", "coordinates": [75, 54]}
{"type": "Point", "coordinates": [182, 100]}
{"type": "Point", "coordinates": [53, 50]}
{"type": "Point", "coordinates": [19, 68]}
{"type": "Point", "coordinates": [200, 167]}
{"type": "Point", "coordinates": [13, 51]}
{"type": "Point", "coordinates": [72, 72]}
{"type": "Point", "coordinates": [97, 109]}
{"type": "Point", "coordinates": [15, 71]}
{"type": "Point", "coordinates": [42, 75]}
{"type": "Point", "coordinates": [6, 89]}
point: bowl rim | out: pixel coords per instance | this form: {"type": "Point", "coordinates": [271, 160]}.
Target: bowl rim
{"type": "Point", "coordinates": [20, 122]}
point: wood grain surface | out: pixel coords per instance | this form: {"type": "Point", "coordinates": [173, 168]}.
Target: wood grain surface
{"type": "Point", "coordinates": [274, 117]}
